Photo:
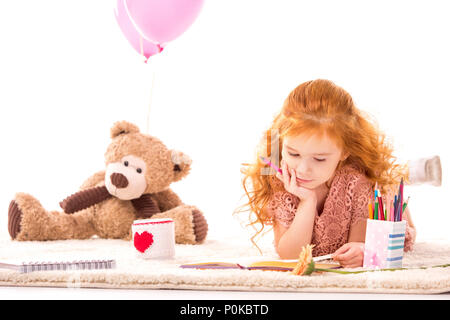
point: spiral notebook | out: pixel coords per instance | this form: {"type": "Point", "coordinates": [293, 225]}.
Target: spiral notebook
{"type": "Point", "coordinates": [60, 266]}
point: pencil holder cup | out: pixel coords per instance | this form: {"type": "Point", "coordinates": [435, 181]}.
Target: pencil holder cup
{"type": "Point", "coordinates": [384, 245]}
{"type": "Point", "coordinates": [154, 238]}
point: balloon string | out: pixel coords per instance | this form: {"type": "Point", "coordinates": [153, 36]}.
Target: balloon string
{"type": "Point", "coordinates": [151, 95]}
{"type": "Point", "coordinates": [141, 42]}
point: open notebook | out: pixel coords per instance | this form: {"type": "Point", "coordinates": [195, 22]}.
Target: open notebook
{"type": "Point", "coordinates": [258, 264]}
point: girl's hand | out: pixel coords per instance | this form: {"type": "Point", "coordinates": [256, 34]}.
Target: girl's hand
{"type": "Point", "coordinates": [350, 255]}
{"type": "Point", "coordinates": [291, 185]}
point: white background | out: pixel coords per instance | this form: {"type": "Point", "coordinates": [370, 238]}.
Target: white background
{"type": "Point", "coordinates": [67, 74]}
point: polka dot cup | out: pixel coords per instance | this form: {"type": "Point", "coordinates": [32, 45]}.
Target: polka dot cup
{"type": "Point", "coordinates": [384, 245]}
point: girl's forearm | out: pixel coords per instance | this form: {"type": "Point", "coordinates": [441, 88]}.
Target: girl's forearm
{"type": "Point", "coordinates": [299, 233]}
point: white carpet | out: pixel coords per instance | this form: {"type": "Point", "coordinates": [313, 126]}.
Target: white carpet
{"type": "Point", "coordinates": [136, 273]}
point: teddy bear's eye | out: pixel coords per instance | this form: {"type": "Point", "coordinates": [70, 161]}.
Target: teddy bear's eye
{"type": "Point", "coordinates": [139, 170]}
{"type": "Point", "coordinates": [125, 163]}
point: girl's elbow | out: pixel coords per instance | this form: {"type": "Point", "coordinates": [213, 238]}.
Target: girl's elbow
{"type": "Point", "coordinates": [281, 253]}
{"type": "Point", "coordinates": [285, 253]}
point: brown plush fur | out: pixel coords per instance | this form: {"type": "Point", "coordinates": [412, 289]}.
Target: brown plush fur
{"type": "Point", "coordinates": [112, 218]}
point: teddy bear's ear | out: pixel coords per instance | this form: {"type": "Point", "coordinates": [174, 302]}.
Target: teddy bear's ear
{"type": "Point", "coordinates": [123, 127]}
{"type": "Point", "coordinates": [181, 164]}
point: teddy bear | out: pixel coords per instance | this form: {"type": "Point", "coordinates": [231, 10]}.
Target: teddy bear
{"type": "Point", "coordinates": [134, 185]}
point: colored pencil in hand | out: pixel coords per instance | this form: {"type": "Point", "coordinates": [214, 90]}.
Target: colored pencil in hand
{"type": "Point", "coordinates": [267, 161]}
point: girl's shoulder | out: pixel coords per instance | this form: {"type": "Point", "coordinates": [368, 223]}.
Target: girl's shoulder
{"type": "Point", "coordinates": [351, 176]}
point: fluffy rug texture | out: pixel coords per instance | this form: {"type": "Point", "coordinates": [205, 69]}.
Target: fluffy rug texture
{"type": "Point", "coordinates": [137, 273]}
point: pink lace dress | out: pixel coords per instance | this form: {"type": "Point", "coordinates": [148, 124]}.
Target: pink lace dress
{"type": "Point", "coordinates": [346, 203]}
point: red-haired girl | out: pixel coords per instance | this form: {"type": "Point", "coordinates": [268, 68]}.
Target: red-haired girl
{"type": "Point", "coordinates": [331, 155]}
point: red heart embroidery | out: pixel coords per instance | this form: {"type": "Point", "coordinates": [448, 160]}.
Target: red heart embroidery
{"type": "Point", "coordinates": [143, 241]}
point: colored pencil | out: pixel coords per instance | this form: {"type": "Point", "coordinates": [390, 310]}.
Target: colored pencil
{"type": "Point", "coordinates": [381, 208]}
{"type": "Point", "coordinates": [375, 215]}
{"type": "Point", "coordinates": [386, 209]}
{"type": "Point", "coordinates": [401, 199]}
{"type": "Point", "coordinates": [388, 213]}
{"type": "Point", "coordinates": [375, 191]}
{"type": "Point", "coordinates": [405, 204]}
{"type": "Point", "coordinates": [398, 213]}
{"type": "Point", "coordinates": [395, 207]}
{"type": "Point", "coordinates": [392, 211]}
{"type": "Point", "coordinates": [267, 161]}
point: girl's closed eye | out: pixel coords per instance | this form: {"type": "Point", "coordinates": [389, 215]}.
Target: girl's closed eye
{"type": "Point", "coordinates": [297, 155]}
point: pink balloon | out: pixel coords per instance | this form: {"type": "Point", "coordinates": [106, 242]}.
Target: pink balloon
{"type": "Point", "coordinates": [161, 21]}
{"type": "Point", "coordinates": [129, 31]}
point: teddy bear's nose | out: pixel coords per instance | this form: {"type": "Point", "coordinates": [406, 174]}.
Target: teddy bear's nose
{"type": "Point", "coordinates": [119, 180]}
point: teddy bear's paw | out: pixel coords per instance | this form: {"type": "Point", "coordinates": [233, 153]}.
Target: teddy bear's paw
{"type": "Point", "coordinates": [14, 219]}
{"type": "Point", "coordinates": [25, 215]}
{"type": "Point", "coordinates": [200, 226]}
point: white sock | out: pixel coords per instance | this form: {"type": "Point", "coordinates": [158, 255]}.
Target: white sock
{"type": "Point", "coordinates": [425, 170]}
